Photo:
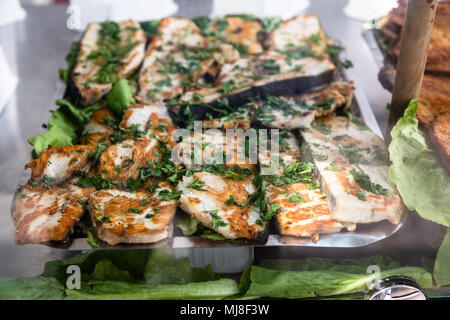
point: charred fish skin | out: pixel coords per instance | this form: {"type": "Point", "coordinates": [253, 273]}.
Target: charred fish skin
{"type": "Point", "coordinates": [238, 88]}
{"type": "Point", "coordinates": [299, 111]}
{"type": "Point", "coordinates": [353, 166]}
{"type": "Point", "coordinates": [93, 75]}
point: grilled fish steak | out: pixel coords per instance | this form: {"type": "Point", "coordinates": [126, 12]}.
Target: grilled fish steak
{"type": "Point", "coordinates": [131, 217]}
{"type": "Point", "coordinates": [59, 163]}
{"type": "Point", "coordinates": [353, 166]}
{"type": "Point", "coordinates": [47, 214]}
{"type": "Point", "coordinates": [208, 205]}
{"type": "Point", "coordinates": [90, 59]}
{"type": "Point", "coordinates": [303, 211]}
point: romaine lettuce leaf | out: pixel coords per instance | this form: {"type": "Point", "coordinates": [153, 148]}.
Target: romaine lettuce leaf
{"type": "Point", "coordinates": [344, 265]}
{"type": "Point", "coordinates": [441, 271]}
{"type": "Point", "coordinates": [41, 288]}
{"type": "Point", "coordinates": [161, 268]}
{"type": "Point", "coordinates": [116, 290]}
{"type": "Point", "coordinates": [421, 181]}
{"type": "Point", "coordinates": [309, 284]}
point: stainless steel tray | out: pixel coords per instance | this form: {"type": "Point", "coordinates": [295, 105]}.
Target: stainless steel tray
{"type": "Point", "coordinates": [363, 235]}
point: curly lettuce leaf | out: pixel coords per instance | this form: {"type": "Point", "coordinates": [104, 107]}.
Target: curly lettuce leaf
{"type": "Point", "coordinates": [421, 181]}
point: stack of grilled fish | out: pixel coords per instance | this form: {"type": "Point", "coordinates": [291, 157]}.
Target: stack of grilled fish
{"type": "Point", "coordinates": [248, 75]}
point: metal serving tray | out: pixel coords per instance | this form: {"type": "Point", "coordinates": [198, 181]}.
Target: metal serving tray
{"type": "Point", "coordinates": [364, 234]}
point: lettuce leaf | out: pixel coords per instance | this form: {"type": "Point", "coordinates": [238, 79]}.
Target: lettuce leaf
{"type": "Point", "coordinates": [161, 268]}
{"type": "Point", "coordinates": [263, 282]}
{"type": "Point", "coordinates": [41, 288]}
{"type": "Point", "coordinates": [140, 274]}
{"type": "Point", "coordinates": [421, 181]}
{"type": "Point", "coordinates": [120, 96]}
{"type": "Point", "coordinates": [441, 270]}
{"type": "Point", "coordinates": [344, 265]}
{"type": "Point", "coordinates": [63, 126]}
{"type": "Point", "coordinates": [116, 290]}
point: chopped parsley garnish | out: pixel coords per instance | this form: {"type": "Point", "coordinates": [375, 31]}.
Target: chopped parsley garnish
{"type": "Point", "coordinates": [134, 210]}
{"type": "Point", "coordinates": [332, 166]}
{"type": "Point", "coordinates": [234, 172]}
{"type": "Point", "coordinates": [361, 196]}
{"type": "Point", "coordinates": [167, 195]}
{"type": "Point", "coordinates": [109, 53]}
{"type": "Point", "coordinates": [83, 204]}
{"type": "Point", "coordinates": [143, 202]}
{"type": "Point", "coordinates": [118, 169]}
{"type": "Point", "coordinates": [94, 155]}
{"type": "Point", "coordinates": [232, 200]}
{"type": "Point", "coordinates": [271, 67]}
{"type": "Point", "coordinates": [96, 180]}
{"type": "Point", "coordinates": [365, 183]}
{"type": "Point", "coordinates": [196, 184]}
{"type": "Point", "coordinates": [321, 127]}
{"type": "Point", "coordinates": [352, 153]}
{"type": "Point", "coordinates": [273, 208]}
{"type": "Point", "coordinates": [296, 198]}
{"type": "Point", "coordinates": [230, 86]}
{"type": "Point", "coordinates": [216, 219]}
{"type": "Point", "coordinates": [301, 171]}
{"type": "Point", "coordinates": [271, 23]}
{"type": "Point", "coordinates": [103, 218]}
{"type": "Point", "coordinates": [359, 124]}
{"type": "Point", "coordinates": [149, 216]}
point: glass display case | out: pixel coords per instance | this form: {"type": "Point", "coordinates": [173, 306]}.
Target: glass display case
{"type": "Point", "coordinates": [405, 250]}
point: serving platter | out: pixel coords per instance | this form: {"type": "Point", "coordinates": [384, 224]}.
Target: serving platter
{"type": "Point", "coordinates": [363, 235]}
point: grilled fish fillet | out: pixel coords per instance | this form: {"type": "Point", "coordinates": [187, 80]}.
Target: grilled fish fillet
{"type": "Point", "coordinates": [299, 31]}
{"type": "Point", "coordinates": [59, 163]}
{"type": "Point", "coordinates": [154, 119]}
{"type": "Point", "coordinates": [86, 67]}
{"type": "Point", "coordinates": [122, 160]}
{"type": "Point", "coordinates": [339, 146]}
{"type": "Point", "coordinates": [175, 55]}
{"type": "Point", "coordinates": [303, 212]}
{"type": "Point", "coordinates": [130, 217]}
{"type": "Point", "coordinates": [212, 147]}
{"type": "Point", "coordinates": [308, 216]}
{"type": "Point", "coordinates": [240, 32]}
{"type": "Point", "coordinates": [97, 130]}
{"type": "Point", "coordinates": [260, 71]}
{"type": "Point", "coordinates": [208, 205]}
{"type": "Point", "coordinates": [47, 214]}
{"type": "Point", "coordinates": [299, 111]}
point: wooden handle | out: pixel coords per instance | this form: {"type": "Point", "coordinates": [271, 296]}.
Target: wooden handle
{"type": "Point", "coordinates": [415, 40]}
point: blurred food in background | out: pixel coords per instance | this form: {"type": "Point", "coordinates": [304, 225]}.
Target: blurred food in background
{"type": "Point", "coordinates": [434, 107]}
